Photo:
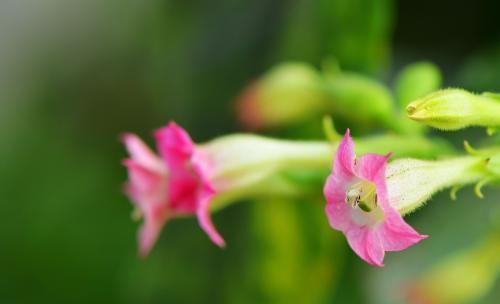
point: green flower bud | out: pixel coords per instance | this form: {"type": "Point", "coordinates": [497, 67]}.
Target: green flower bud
{"type": "Point", "coordinates": [296, 92]}
{"type": "Point", "coordinates": [359, 99]}
{"type": "Point", "coordinates": [416, 80]}
{"type": "Point", "coordinates": [287, 94]}
{"type": "Point", "coordinates": [454, 109]}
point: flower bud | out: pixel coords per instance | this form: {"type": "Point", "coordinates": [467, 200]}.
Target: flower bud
{"type": "Point", "coordinates": [295, 92]}
{"type": "Point", "coordinates": [454, 109]}
{"type": "Point", "coordinates": [287, 94]}
{"type": "Point", "coordinates": [359, 99]}
{"type": "Point", "coordinates": [416, 80]}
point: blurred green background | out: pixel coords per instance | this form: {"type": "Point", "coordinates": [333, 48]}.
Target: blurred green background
{"type": "Point", "coordinates": [74, 74]}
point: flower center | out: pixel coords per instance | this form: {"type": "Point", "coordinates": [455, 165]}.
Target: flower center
{"type": "Point", "coordinates": [362, 197]}
{"type": "Point", "coordinates": [362, 194]}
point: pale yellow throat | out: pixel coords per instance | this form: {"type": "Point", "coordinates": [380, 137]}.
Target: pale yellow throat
{"type": "Point", "coordinates": [362, 194]}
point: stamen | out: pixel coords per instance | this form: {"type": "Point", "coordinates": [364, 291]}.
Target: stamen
{"type": "Point", "coordinates": [363, 195]}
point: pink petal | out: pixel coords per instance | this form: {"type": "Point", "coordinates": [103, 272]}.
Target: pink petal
{"type": "Point", "coordinates": [154, 220]}
{"type": "Point", "coordinates": [337, 211]}
{"type": "Point", "coordinates": [202, 166]}
{"type": "Point", "coordinates": [335, 188]}
{"type": "Point", "coordinates": [371, 167]}
{"type": "Point", "coordinates": [141, 154]}
{"type": "Point", "coordinates": [174, 144]}
{"type": "Point", "coordinates": [374, 249]}
{"type": "Point", "coordinates": [338, 216]}
{"type": "Point", "coordinates": [145, 186]}
{"type": "Point", "coordinates": [148, 234]}
{"type": "Point", "coordinates": [203, 214]}
{"type": "Point", "coordinates": [367, 245]}
{"type": "Point", "coordinates": [396, 234]}
{"type": "Point", "coordinates": [183, 188]}
{"type": "Point", "coordinates": [344, 158]}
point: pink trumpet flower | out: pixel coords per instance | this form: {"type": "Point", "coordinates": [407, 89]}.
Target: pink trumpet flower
{"type": "Point", "coordinates": [171, 184]}
{"type": "Point", "coordinates": [358, 205]}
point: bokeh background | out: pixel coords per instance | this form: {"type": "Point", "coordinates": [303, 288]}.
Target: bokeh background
{"type": "Point", "coordinates": [74, 74]}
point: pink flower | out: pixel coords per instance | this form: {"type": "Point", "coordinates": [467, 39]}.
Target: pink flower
{"type": "Point", "coordinates": [171, 184]}
{"type": "Point", "coordinates": [358, 205]}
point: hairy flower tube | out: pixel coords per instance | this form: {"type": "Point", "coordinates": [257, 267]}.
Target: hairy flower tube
{"type": "Point", "coordinates": [411, 182]}
{"type": "Point", "coordinates": [358, 205]}
{"type": "Point", "coordinates": [454, 109]}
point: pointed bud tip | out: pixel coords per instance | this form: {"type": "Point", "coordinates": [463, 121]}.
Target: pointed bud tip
{"type": "Point", "coordinates": [410, 109]}
{"type": "Point", "coordinates": [247, 108]}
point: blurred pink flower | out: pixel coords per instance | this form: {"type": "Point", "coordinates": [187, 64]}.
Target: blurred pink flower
{"type": "Point", "coordinates": [358, 205]}
{"type": "Point", "coordinates": [171, 184]}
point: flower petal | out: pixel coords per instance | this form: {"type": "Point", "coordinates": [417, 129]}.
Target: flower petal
{"type": "Point", "coordinates": [174, 144]}
{"type": "Point", "coordinates": [375, 249]}
{"type": "Point", "coordinates": [371, 167]}
{"type": "Point", "coordinates": [396, 234]}
{"type": "Point", "coordinates": [335, 188]}
{"type": "Point", "coordinates": [338, 216]}
{"type": "Point", "coordinates": [204, 219]}
{"type": "Point", "coordinates": [344, 158]}
{"type": "Point", "coordinates": [366, 244]}
{"type": "Point", "coordinates": [337, 211]}
{"type": "Point", "coordinates": [155, 218]}
{"type": "Point", "coordinates": [145, 186]}
{"type": "Point", "coordinates": [141, 153]}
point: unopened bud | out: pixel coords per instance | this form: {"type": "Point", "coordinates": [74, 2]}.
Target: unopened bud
{"type": "Point", "coordinates": [454, 109]}
{"type": "Point", "coordinates": [359, 99]}
{"type": "Point", "coordinates": [416, 80]}
{"type": "Point", "coordinates": [287, 94]}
